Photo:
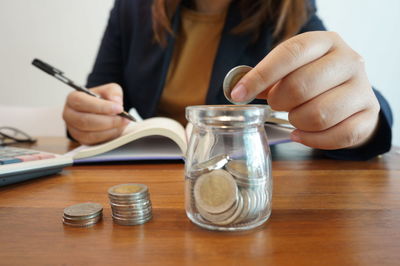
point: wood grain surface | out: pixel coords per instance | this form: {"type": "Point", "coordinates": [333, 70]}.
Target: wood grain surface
{"type": "Point", "coordinates": [325, 212]}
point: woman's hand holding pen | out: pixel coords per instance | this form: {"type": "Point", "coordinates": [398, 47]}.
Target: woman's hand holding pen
{"type": "Point", "coordinates": [322, 83]}
{"type": "Point", "coordinates": [91, 120]}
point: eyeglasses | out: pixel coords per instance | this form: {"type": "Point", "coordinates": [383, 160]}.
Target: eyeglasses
{"type": "Point", "coordinates": [10, 135]}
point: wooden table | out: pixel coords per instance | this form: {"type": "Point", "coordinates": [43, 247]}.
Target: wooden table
{"type": "Point", "coordinates": [325, 212]}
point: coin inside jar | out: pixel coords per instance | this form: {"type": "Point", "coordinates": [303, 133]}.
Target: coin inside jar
{"type": "Point", "coordinates": [231, 79]}
{"type": "Point", "coordinates": [216, 162]}
{"type": "Point", "coordinates": [244, 169]}
{"type": "Point", "coordinates": [236, 214]}
{"type": "Point", "coordinates": [215, 192]}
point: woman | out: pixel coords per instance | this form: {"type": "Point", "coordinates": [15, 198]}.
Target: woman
{"type": "Point", "coordinates": [160, 57]}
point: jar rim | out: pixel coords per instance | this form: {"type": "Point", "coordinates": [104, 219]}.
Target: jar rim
{"type": "Point", "coordinates": [228, 115]}
{"type": "Point", "coordinates": [228, 106]}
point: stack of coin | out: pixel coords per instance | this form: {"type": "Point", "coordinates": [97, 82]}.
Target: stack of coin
{"type": "Point", "coordinates": [227, 192]}
{"type": "Point", "coordinates": [130, 204]}
{"type": "Point", "coordinates": [83, 214]}
{"type": "Point", "coordinates": [253, 185]}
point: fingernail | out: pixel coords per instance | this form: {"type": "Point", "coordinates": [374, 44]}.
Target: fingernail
{"type": "Point", "coordinates": [294, 136]}
{"type": "Point", "coordinates": [239, 93]}
{"type": "Point", "coordinates": [117, 99]}
{"type": "Point", "coordinates": [117, 108]}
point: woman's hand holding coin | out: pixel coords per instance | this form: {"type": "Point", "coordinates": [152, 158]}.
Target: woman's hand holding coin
{"type": "Point", "coordinates": [322, 83]}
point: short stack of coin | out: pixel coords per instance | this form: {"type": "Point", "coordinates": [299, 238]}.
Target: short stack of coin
{"type": "Point", "coordinates": [83, 214]}
{"type": "Point", "coordinates": [130, 204]}
{"type": "Point", "coordinates": [225, 193]}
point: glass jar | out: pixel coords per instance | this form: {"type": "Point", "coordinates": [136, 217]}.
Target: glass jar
{"type": "Point", "coordinates": [228, 183]}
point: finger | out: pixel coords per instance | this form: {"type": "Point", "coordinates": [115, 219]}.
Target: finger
{"type": "Point", "coordinates": [264, 94]}
{"type": "Point", "coordinates": [284, 59]}
{"type": "Point", "coordinates": [329, 108]}
{"type": "Point", "coordinates": [111, 91]}
{"type": "Point", "coordinates": [351, 132]}
{"type": "Point", "coordinates": [92, 122]}
{"type": "Point", "coordinates": [94, 137]}
{"type": "Point", "coordinates": [313, 79]}
{"type": "Point", "coordinates": [83, 102]}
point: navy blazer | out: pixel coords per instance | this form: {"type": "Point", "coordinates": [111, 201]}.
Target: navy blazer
{"type": "Point", "coordinates": [129, 56]}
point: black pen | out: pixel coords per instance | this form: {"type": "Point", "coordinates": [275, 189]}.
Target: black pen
{"type": "Point", "coordinates": [58, 74]}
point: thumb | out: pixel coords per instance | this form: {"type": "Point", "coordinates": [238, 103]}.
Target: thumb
{"type": "Point", "coordinates": [112, 92]}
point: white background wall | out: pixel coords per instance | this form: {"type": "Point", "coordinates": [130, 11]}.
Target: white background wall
{"type": "Point", "coordinates": [66, 33]}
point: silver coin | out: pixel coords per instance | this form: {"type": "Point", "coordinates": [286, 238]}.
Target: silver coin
{"type": "Point", "coordinates": [131, 190]}
{"type": "Point", "coordinates": [132, 213]}
{"type": "Point", "coordinates": [247, 202]}
{"type": "Point", "coordinates": [216, 191]}
{"type": "Point", "coordinates": [233, 218]}
{"type": "Point", "coordinates": [130, 217]}
{"type": "Point", "coordinates": [260, 192]}
{"type": "Point", "coordinates": [219, 217]}
{"type": "Point", "coordinates": [253, 208]}
{"type": "Point", "coordinates": [122, 221]}
{"type": "Point", "coordinates": [82, 223]}
{"type": "Point", "coordinates": [238, 168]}
{"type": "Point", "coordinates": [245, 185]}
{"type": "Point", "coordinates": [137, 216]}
{"type": "Point", "coordinates": [242, 169]}
{"type": "Point", "coordinates": [88, 224]}
{"type": "Point", "coordinates": [216, 162]}
{"type": "Point", "coordinates": [81, 218]}
{"type": "Point", "coordinates": [148, 207]}
{"type": "Point", "coordinates": [86, 209]}
{"type": "Point", "coordinates": [132, 206]}
{"type": "Point", "coordinates": [134, 199]}
{"type": "Point", "coordinates": [251, 183]}
{"type": "Point", "coordinates": [231, 79]}
{"type": "Point", "coordinates": [261, 199]}
{"type": "Point", "coordinates": [127, 197]}
{"type": "Point", "coordinates": [141, 201]}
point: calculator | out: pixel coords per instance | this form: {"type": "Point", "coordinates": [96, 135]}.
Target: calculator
{"type": "Point", "coordinates": [20, 164]}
